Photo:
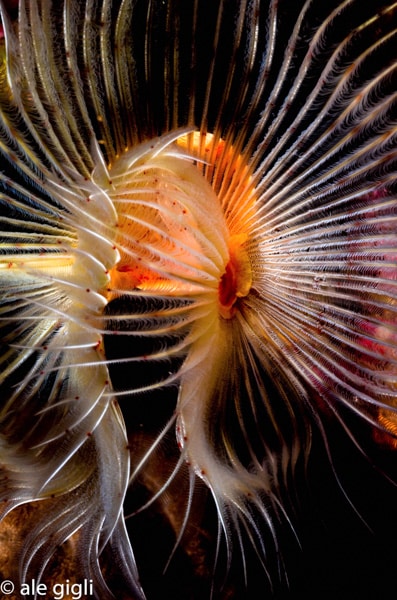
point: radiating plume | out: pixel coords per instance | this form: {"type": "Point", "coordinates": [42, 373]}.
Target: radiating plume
{"type": "Point", "coordinates": [198, 212]}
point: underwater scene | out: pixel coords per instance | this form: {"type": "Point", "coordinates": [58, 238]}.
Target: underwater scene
{"type": "Point", "coordinates": [198, 299]}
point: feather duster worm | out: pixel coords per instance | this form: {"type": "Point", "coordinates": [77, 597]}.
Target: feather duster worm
{"type": "Point", "coordinates": [198, 213]}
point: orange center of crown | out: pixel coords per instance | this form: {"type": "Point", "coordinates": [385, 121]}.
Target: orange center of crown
{"type": "Point", "coordinates": [160, 232]}
{"type": "Point", "coordinates": [237, 279]}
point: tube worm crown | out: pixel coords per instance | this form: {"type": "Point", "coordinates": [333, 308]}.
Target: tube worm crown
{"type": "Point", "coordinates": [198, 213]}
